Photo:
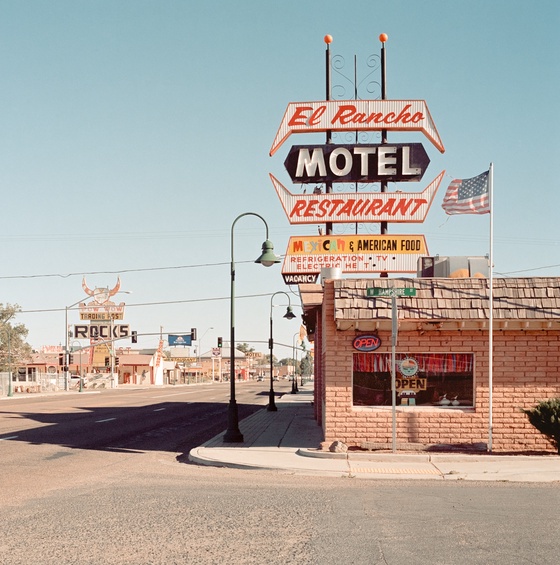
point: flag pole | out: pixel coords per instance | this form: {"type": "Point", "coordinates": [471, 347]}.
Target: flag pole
{"type": "Point", "coordinates": [491, 304]}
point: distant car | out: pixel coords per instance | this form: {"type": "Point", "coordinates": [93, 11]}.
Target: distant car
{"type": "Point", "coordinates": [260, 378]}
{"type": "Point", "coordinates": [75, 380]}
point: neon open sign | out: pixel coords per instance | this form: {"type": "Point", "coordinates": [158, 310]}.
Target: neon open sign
{"type": "Point", "coordinates": [366, 342]}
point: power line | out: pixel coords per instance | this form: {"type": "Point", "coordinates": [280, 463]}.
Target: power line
{"type": "Point", "coordinates": [120, 271]}
{"type": "Point", "coordinates": [42, 311]}
{"type": "Point", "coordinates": [528, 270]}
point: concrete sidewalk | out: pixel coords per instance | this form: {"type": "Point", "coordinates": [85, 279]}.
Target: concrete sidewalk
{"type": "Point", "coordinates": [288, 441]}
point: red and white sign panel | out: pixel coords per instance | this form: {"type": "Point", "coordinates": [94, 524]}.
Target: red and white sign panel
{"type": "Point", "coordinates": [354, 253]}
{"type": "Point", "coordinates": [357, 115]}
{"type": "Point", "coordinates": [350, 207]}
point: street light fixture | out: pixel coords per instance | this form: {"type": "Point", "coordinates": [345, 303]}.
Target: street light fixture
{"type": "Point", "coordinates": [290, 316]}
{"type": "Point", "coordinates": [267, 258]}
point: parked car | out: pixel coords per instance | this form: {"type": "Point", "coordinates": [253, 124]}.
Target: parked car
{"type": "Point", "coordinates": [260, 378]}
{"type": "Point", "coordinates": [75, 380]}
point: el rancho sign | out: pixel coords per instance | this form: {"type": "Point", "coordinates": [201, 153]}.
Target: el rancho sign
{"type": "Point", "coordinates": [357, 115]}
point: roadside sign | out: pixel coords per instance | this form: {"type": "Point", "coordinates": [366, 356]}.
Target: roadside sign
{"type": "Point", "coordinates": [363, 207]}
{"type": "Point", "coordinates": [253, 355]}
{"type": "Point", "coordinates": [357, 115]}
{"type": "Point", "coordinates": [391, 292]}
{"type": "Point", "coordinates": [101, 331]}
{"type": "Point", "coordinates": [354, 253]}
{"type": "Point", "coordinates": [357, 163]}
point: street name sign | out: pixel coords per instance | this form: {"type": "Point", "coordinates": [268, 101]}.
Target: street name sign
{"type": "Point", "coordinates": [391, 292]}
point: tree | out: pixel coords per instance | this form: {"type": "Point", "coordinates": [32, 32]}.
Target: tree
{"type": "Point", "coordinates": [287, 361]}
{"type": "Point", "coordinates": [266, 360]}
{"type": "Point", "coordinates": [545, 416]}
{"type": "Point", "coordinates": [306, 364]}
{"type": "Point", "coordinates": [14, 350]}
{"type": "Point", "coordinates": [244, 348]}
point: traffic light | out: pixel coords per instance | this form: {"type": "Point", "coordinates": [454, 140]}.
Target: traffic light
{"type": "Point", "coordinates": [61, 358]}
{"type": "Point", "coordinates": [117, 361]}
{"type": "Point", "coordinates": [134, 337]}
{"type": "Point", "coordinates": [193, 334]}
{"type": "Point", "coordinates": [107, 361]}
{"type": "Point", "coordinates": [70, 359]}
{"type": "Point", "coordinates": [219, 342]}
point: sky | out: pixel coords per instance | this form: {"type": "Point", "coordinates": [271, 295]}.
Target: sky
{"type": "Point", "coordinates": [135, 132]}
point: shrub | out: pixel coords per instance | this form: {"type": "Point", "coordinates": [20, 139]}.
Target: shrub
{"type": "Point", "coordinates": [545, 416]}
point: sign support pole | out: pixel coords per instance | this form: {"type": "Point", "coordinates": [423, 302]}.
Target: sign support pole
{"type": "Point", "coordinates": [328, 185]}
{"type": "Point", "coordinates": [393, 293]}
{"type": "Point", "coordinates": [383, 39]}
{"type": "Point", "coordinates": [394, 331]}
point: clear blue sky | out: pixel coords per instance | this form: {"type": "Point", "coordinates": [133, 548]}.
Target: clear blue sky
{"type": "Point", "coordinates": [134, 132]}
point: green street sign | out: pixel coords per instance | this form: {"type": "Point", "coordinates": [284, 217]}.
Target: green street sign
{"type": "Point", "coordinates": [391, 292]}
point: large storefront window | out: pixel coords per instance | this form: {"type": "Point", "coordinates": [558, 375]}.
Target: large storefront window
{"type": "Point", "coordinates": [422, 379]}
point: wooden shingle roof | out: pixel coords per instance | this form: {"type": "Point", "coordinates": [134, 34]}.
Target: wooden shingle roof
{"type": "Point", "coordinates": [518, 303]}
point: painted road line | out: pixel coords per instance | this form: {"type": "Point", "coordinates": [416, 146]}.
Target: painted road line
{"type": "Point", "coordinates": [159, 409]}
{"type": "Point", "coordinates": [174, 394]}
{"type": "Point", "coordinates": [9, 437]}
{"type": "Point", "coordinates": [106, 420]}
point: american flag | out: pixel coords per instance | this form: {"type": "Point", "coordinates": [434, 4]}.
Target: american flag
{"type": "Point", "coordinates": [467, 196]}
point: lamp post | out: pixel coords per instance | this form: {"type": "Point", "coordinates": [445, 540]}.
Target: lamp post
{"type": "Point", "coordinates": [290, 316]}
{"type": "Point", "coordinates": [267, 258]}
{"type": "Point", "coordinates": [66, 381]}
{"type": "Point", "coordinates": [294, 356]}
{"type": "Point", "coordinates": [9, 329]}
{"type": "Point", "coordinates": [80, 350]}
{"type": "Point", "coordinates": [200, 353]}
{"type": "Point", "coordinates": [10, 391]}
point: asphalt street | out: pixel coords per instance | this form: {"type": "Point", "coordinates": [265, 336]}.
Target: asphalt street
{"type": "Point", "coordinates": [126, 494]}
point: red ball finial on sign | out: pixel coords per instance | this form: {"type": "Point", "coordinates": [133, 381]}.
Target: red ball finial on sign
{"type": "Point", "coordinates": [383, 37]}
{"type": "Point", "coordinates": [328, 39]}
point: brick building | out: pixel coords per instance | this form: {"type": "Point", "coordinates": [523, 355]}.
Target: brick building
{"type": "Point", "coordinates": [442, 359]}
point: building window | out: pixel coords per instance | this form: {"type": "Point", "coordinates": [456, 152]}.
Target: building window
{"type": "Point", "coordinates": [422, 379]}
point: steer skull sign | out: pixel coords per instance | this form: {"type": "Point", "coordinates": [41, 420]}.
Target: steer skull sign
{"type": "Point", "coordinates": [101, 296]}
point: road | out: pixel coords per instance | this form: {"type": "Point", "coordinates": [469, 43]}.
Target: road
{"type": "Point", "coordinates": [95, 479]}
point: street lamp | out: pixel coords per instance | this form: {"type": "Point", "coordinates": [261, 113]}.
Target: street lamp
{"type": "Point", "coordinates": [294, 356]}
{"type": "Point", "coordinates": [81, 376]}
{"type": "Point", "coordinates": [9, 329]}
{"type": "Point", "coordinates": [200, 352]}
{"type": "Point", "coordinates": [267, 258]}
{"type": "Point", "coordinates": [290, 316]}
{"type": "Point", "coordinates": [66, 359]}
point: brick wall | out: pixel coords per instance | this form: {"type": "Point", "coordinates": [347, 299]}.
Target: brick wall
{"type": "Point", "coordinates": [526, 369]}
